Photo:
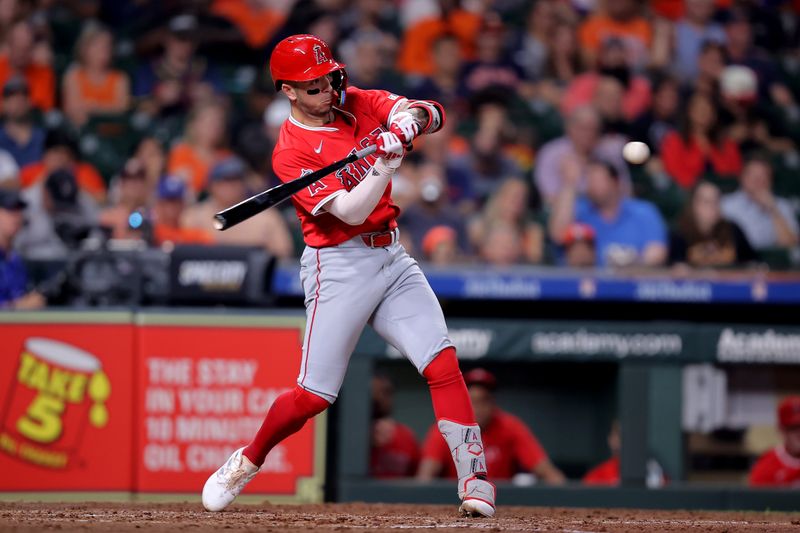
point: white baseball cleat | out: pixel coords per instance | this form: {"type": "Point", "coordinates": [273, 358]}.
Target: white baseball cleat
{"type": "Point", "coordinates": [225, 484]}
{"type": "Point", "coordinates": [478, 498]}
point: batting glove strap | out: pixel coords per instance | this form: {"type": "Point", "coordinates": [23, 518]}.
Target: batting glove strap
{"type": "Point", "coordinates": [436, 114]}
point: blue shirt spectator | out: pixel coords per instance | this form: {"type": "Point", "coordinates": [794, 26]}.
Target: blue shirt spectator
{"type": "Point", "coordinates": [627, 231]}
{"type": "Point", "coordinates": [637, 224]}
{"type": "Point", "coordinates": [13, 277]}
{"type": "Point", "coordinates": [19, 136]}
{"type": "Point", "coordinates": [691, 32]}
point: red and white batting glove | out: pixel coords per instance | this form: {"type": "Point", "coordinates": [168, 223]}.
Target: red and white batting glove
{"type": "Point", "coordinates": [404, 126]}
{"type": "Point", "coordinates": [390, 149]}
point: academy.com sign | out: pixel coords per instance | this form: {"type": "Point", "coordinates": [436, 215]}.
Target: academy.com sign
{"type": "Point", "coordinates": [758, 347]}
{"type": "Point", "coordinates": [619, 345]}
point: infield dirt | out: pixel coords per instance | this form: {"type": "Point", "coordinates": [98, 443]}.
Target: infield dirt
{"type": "Point", "coordinates": [68, 517]}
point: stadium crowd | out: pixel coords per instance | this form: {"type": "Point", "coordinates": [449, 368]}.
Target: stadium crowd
{"type": "Point", "coordinates": [164, 110]}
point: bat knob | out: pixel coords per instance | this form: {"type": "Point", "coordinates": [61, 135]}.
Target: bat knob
{"type": "Point", "coordinates": [219, 222]}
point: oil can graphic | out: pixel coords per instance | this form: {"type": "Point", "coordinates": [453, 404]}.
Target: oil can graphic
{"type": "Point", "coordinates": [56, 391]}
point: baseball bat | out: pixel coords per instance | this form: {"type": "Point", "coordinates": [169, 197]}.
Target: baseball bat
{"type": "Point", "coordinates": [264, 200]}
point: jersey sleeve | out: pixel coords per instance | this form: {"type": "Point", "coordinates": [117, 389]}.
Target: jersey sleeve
{"type": "Point", "coordinates": [763, 472]}
{"type": "Point", "coordinates": [290, 164]}
{"type": "Point", "coordinates": [381, 105]}
{"type": "Point", "coordinates": [527, 450]}
{"type": "Point", "coordinates": [434, 447]}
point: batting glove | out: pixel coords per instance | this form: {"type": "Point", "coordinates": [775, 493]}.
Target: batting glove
{"type": "Point", "coordinates": [390, 149]}
{"type": "Point", "coordinates": [404, 126]}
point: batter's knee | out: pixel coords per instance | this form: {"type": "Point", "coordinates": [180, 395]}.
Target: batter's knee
{"type": "Point", "coordinates": [308, 403]}
{"type": "Point", "coordinates": [443, 369]}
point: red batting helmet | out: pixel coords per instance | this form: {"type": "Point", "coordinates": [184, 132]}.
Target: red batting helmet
{"type": "Point", "coordinates": [306, 58]}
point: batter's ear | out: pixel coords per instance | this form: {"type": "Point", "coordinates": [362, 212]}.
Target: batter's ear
{"type": "Point", "coordinates": [288, 90]}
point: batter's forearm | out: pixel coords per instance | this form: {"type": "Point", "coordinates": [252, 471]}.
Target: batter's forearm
{"type": "Point", "coordinates": [353, 207]}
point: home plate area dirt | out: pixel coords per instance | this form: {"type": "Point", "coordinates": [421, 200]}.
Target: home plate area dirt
{"type": "Point", "coordinates": [64, 517]}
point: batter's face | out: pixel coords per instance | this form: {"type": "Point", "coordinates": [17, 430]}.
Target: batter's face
{"type": "Point", "coordinates": [313, 98]}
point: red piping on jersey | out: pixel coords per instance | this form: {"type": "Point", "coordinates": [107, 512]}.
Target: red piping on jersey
{"type": "Point", "coordinates": [313, 315]}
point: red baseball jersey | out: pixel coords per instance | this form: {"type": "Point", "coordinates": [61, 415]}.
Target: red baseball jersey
{"type": "Point", "coordinates": [303, 149]}
{"type": "Point", "coordinates": [606, 473]}
{"type": "Point", "coordinates": [509, 445]}
{"type": "Point", "coordinates": [776, 468]}
{"type": "Point", "coordinates": [397, 458]}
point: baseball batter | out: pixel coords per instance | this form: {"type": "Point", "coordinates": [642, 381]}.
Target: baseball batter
{"type": "Point", "coordinates": [353, 269]}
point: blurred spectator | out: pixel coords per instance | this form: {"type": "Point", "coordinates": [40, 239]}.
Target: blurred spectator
{"type": "Point", "coordinates": [151, 153]}
{"type": "Point", "coordinates": [510, 447]}
{"type": "Point", "coordinates": [90, 86]}
{"type": "Point", "coordinates": [367, 53]}
{"type": "Point", "coordinates": [611, 62]}
{"type": "Point", "coordinates": [203, 144]}
{"type": "Point", "coordinates": [533, 46]}
{"type": "Point", "coordinates": [18, 60]}
{"type": "Point", "coordinates": [628, 231]}
{"type": "Point", "coordinates": [502, 244]}
{"type": "Point", "coordinates": [19, 135]}
{"type": "Point", "coordinates": [226, 188]}
{"type": "Point", "coordinates": [703, 238]}
{"type": "Point", "coordinates": [415, 57]}
{"type": "Point", "coordinates": [608, 472]}
{"type": "Point", "coordinates": [444, 82]}
{"type": "Point", "coordinates": [432, 209]}
{"type": "Point", "coordinates": [563, 61]}
{"type": "Point", "coordinates": [394, 451]}
{"type": "Point", "coordinates": [579, 246]}
{"type": "Point", "coordinates": [766, 220]}
{"type": "Point", "coordinates": [701, 146]}
{"type": "Point", "coordinates": [781, 465]}
{"type": "Point", "coordinates": [132, 194]}
{"type": "Point", "coordinates": [168, 211]}
{"type": "Point", "coordinates": [662, 117]}
{"type": "Point", "coordinates": [59, 217]}
{"type": "Point", "coordinates": [608, 100]}
{"type": "Point", "coordinates": [491, 67]}
{"type": "Point", "coordinates": [440, 246]}
{"type": "Point", "coordinates": [621, 19]}
{"type": "Point", "coordinates": [572, 152]}
{"type": "Point", "coordinates": [710, 64]}
{"type": "Point", "coordinates": [486, 164]}
{"type": "Point", "coordinates": [61, 153]}
{"type": "Point", "coordinates": [176, 80]}
{"type": "Point", "coordinates": [14, 292]}
{"type": "Point", "coordinates": [509, 206]}
{"type": "Point", "coordinates": [695, 29]}
{"type": "Point", "coordinates": [250, 138]}
{"type": "Point", "coordinates": [752, 125]}
{"type": "Point", "coordinates": [257, 20]}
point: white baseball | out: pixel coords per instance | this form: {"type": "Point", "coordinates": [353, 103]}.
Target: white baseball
{"type": "Point", "coordinates": [635, 152]}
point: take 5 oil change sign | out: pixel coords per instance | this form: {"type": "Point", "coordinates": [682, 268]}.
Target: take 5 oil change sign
{"type": "Point", "coordinates": [65, 417]}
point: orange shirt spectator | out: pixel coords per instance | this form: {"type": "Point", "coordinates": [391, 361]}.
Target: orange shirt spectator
{"type": "Point", "coordinates": [186, 161]}
{"type": "Point", "coordinates": [257, 23]}
{"type": "Point", "coordinates": [168, 210]}
{"type": "Point", "coordinates": [40, 78]}
{"type": "Point", "coordinates": [87, 176]}
{"type": "Point", "coordinates": [91, 86]}
{"type": "Point", "coordinates": [18, 59]}
{"type": "Point", "coordinates": [415, 50]}
{"type": "Point", "coordinates": [635, 32]}
{"type": "Point", "coordinates": [687, 162]}
{"type": "Point", "coordinates": [203, 146]}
